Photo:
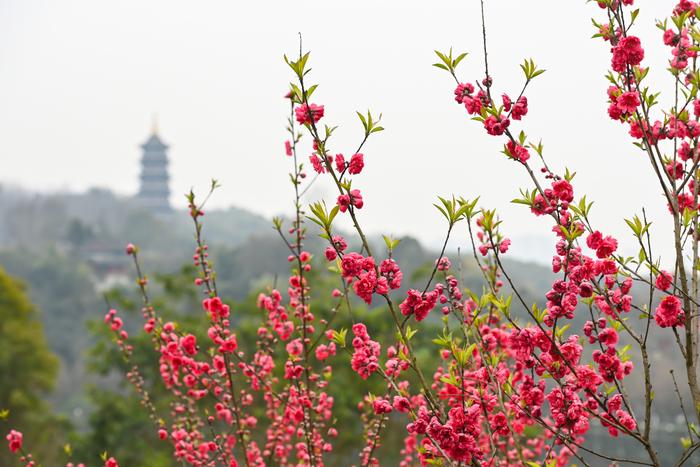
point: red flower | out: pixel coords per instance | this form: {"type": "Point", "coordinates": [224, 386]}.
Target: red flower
{"type": "Point", "coordinates": [627, 52]}
{"type": "Point", "coordinates": [463, 90]}
{"type": "Point", "coordinates": [354, 198]}
{"type": "Point", "coordinates": [664, 280]}
{"type": "Point", "coordinates": [496, 126]}
{"type": "Point", "coordinates": [356, 165]}
{"type": "Point", "coordinates": [381, 406]}
{"type": "Point", "coordinates": [563, 190]}
{"type": "Point", "coordinates": [519, 109]}
{"type": "Point", "coordinates": [14, 440]}
{"type": "Point", "coordinates": [517, 152]}
{"type": "Point", "coordinates": [305, 114]}
{"type": "Point", "coordinates": [628, 102]}
{"type": "Point", "coordinates": [669, 312]}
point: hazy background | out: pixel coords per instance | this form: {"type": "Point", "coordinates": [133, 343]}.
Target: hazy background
{"type": "Point", "coordinates": [80, 81]}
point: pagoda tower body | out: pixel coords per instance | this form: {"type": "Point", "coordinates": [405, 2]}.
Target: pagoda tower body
{"type": "Point", "coordinates": [154, 193]}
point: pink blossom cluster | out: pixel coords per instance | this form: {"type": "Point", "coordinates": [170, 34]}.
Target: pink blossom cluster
{"type": "Point", "coordinates": [366, 352]}
{"type": "Point", "coordinates": [419, 303]}
{"type": "Point", "coordinates": [494, 125]}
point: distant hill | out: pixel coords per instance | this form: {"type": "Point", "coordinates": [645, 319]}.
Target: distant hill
{"type": "Point", "coordinates": [99, 221]}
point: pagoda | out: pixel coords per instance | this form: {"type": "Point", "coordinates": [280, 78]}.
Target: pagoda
{"type": "Point", "coordinates": [154, 193]}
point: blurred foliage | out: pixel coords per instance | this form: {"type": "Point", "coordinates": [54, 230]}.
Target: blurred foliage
{"type": "Point", "coordinates": [27, 372]}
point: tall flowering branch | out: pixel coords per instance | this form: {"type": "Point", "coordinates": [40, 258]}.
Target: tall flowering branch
{"type": "Point", "coordinates": [629, 103]}
{"type": "Point", "coordinates": [349, 200]}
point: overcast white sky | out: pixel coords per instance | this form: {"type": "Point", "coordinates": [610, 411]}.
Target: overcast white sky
{"type": "Point", "coordinates": [80, 79]}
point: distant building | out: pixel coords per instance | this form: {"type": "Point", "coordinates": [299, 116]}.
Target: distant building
{"type": "Point", "coordinates": [154, 193]}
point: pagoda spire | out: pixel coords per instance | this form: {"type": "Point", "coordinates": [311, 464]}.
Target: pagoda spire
{"type": "Point", "coordinates": [154, 124]}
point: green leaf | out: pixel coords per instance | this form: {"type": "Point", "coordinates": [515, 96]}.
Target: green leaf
{"type": "Point", "coordinates": [686, 443]}
{"type": "Point", "coordinates": [334, 212]}
{"type": "Point", "coordinates": [369, 124]}
{"type": "Point", "coordinates": [364, 121]}
{"type": "Point", "coordinates": [410, 332]}
{"type": "Point", "coordinates": [391, 243]}
{"type": "Point", "coordinates": [467, 208]}
{"type": "Point", "coordinates": [456, 61]}
{"type": "Point", "coordinates": [339, 337]}
{"type": "Point", "coordinates": [521, 137]}
{"type": "Point", "coordinates": [444, 213]}
{"type": "Point", "coordinates": [310, 91]}
{"type": "Point", "coordinates": [450, 380]}
{"type": "Point", "coordinates": [530, 69]}
{"type": "Point", "coordinates": [694, 429]}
